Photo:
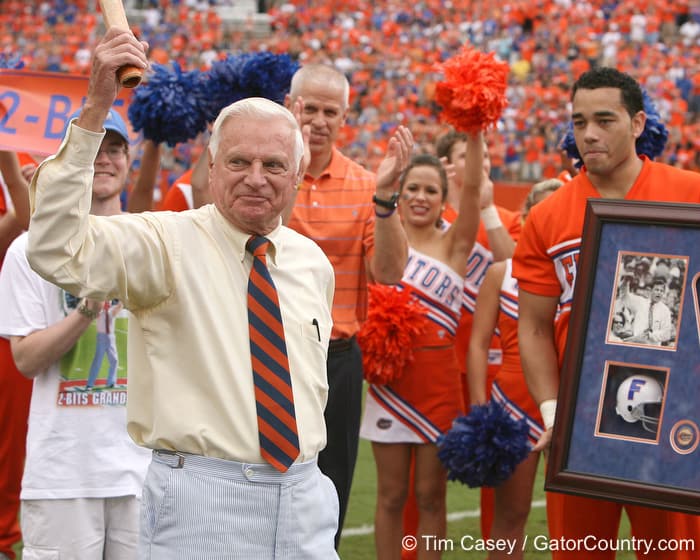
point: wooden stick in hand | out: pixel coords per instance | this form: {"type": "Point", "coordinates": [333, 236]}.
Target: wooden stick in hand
{"type": "Point", "coordinates": [115, 16]}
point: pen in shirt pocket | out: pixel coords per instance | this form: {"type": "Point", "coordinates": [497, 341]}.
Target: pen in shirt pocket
{"type": "Point", "coordinates": [318, 331]}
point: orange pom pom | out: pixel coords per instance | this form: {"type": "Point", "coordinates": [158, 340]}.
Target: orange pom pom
{"type": "Point", "coordinates": [387, 337]}
{"type": "Point", "coordinates": [473, 93]}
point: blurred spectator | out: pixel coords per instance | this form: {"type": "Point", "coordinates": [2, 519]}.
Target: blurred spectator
{"type": "Point", "coordinates": [389, 51]}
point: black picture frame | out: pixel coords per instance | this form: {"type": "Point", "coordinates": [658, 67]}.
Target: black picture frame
{"type": "Point", "coordinates": [628, 408]}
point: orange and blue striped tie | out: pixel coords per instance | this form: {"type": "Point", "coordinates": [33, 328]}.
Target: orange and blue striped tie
{"type": "Point", "coordinates": [277, 426]}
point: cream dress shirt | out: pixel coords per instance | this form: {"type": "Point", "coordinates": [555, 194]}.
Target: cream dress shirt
{"type": "Point", "coordinates": [184, 278]}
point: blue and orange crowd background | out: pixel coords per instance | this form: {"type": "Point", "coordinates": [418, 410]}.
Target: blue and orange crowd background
{"type": "Point", "coordinates": [389, 50]}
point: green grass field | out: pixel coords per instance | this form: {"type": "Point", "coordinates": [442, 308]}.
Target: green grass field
{"type": "Point", "coordinates": [357, 542]}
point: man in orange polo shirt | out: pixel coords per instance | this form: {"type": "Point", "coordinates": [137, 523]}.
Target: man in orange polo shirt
{"type": "Point", "coordinates": [335, 207]}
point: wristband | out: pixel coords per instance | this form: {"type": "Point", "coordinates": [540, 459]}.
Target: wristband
{"type": "Point", "coordinates": [391, 203]}
{"type": "Point", "coordinates": [490, 217]}
{"type": "Point", "coordinates": [548, 409]}
{"type": "Point", "coordinates": [384, 214]}
{"type": "Point", "coordinates": [85, 311]}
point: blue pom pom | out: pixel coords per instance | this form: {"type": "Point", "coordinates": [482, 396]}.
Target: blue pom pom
{"type": "Point", "coordinates": [223, 84]}
{"type": "Point", "coordinates": [653, 140]}
{"type": "Point", "coordinates": [170, 106]}
{"type": "Point", "coordinates": [650, 143]}
{"type": "Point", "coordinates": [11, 61]}
{"type": "Point", "coordinates": [259, 74]}
{"type": "Point", "coordinates": [568, 144]}
{"type": "Point", "coordinates": [267, 75]}
{"type": "Point", "coordinates": [484, 447]}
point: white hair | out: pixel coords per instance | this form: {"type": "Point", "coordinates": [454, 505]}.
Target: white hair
{"type": "Point", "coordinates": [259, 108]}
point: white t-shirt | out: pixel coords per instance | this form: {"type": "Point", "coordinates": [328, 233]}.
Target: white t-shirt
{"type": "Point", "coordinates": [77, 443]}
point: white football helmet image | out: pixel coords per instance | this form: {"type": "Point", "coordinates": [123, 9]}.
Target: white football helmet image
{"type": "Point", "coordinates": [639, 399]}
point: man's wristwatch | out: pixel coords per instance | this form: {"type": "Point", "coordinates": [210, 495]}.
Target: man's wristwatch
{"type": "Point", "coordinates": [391, 204]}
{"type": "Point", "coordinates": [85, 311]}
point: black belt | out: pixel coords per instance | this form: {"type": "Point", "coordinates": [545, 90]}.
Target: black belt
{"type": "Point", "coordinates": [340, 345]}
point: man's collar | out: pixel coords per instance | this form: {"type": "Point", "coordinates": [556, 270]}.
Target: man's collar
{"type": "Point", "coordinates": [240, 238]}
{"type": "Point", "coordinates": [336, 168]}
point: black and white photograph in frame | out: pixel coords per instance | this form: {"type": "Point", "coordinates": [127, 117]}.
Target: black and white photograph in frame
{"type": "Point", "coordinates": [647, 300]}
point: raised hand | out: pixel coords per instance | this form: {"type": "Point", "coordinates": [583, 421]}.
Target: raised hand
{"type": "Point", "coordinates": [297, 110]}
{"type": "Point", "coordinates": [450, 170]}
{"type": "Point", "coordinates": [116, 49]}
{"type": "Point", "coordinates": [397, 157]}
{"type": "Point", "coordinates": [486, 192]}
{"type": "Point", "coordinates": [27, 171]}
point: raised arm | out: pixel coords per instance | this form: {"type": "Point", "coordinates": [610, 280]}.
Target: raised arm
{"type": "Point", "coordinates": [462, 233]}
{"type": "Point", "coordinates": [141, 195]}
{"type": "Point", "coordinates": [390, 244]}
{"type": "Point", "coordinates": [90, 256]}
{"type": "Point", "coordinates": [16, 185]}
{"type": "Point", "coordinates": [484, 324]}
{"type": "Point", "coordinates": [200, 180]}
{"type": "Point", "coordinates": [9, 229]}
{"type": "Point", "coordinates": [501, 243]}
{"type": "Point", "coordinates": [13, 223]}
{"type": "Point", "coordinates": [538, 355]}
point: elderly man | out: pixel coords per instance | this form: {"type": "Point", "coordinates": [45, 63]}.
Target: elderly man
{"type": "Point", "coordinates": [228, 342]}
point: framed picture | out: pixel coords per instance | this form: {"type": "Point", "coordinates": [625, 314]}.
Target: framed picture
{"type": "Point", "coordinates": [628, 413]}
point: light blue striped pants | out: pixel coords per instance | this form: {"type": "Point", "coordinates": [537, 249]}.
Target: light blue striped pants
{"type": "Point", "coordinates": [199, 507]}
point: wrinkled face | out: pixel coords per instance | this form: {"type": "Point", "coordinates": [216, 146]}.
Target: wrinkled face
{"type": "Point", "coordinates": [253, 173]}
{"type": "Point", "coordinates": [324, 111]}
{"type": "Point", "coordinates": [604, 132]}
{"type": "Point", "coordinates": [421, 196]}
{"type": "Point", "coordinates": [111, 167]}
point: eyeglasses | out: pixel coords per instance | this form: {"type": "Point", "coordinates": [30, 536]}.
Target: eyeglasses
{"type": "Point", "coordinates": [113, 152]}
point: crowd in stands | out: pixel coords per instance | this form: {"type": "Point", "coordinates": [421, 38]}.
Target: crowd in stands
{"type": "Point", "coordinates": [390, 51]}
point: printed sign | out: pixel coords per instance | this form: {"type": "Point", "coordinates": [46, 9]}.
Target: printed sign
{"type": "Point", "coordinates": [35, 106]}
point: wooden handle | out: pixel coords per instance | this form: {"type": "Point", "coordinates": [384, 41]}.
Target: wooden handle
{"type": "Point", "coordinates": [115, 16]}
{"type": "Point", "coordinates": [129, 76]}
